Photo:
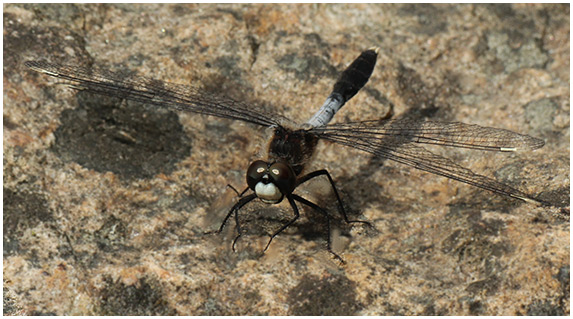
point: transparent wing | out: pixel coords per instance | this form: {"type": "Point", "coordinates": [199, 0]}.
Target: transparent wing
{"type": "Point", "coordinates": [141, 89]}
{"type": "Point", "coordinates": [395, 140]}
{"type": "Point", "coordinates": [441, 133]}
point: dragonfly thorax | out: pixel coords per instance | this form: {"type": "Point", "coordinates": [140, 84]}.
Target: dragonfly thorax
{"type": "Point", "coordinates": [271, 181]}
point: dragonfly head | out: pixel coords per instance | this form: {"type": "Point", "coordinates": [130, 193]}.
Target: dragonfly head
{"type": "Point", "coordinates": [271, 181]}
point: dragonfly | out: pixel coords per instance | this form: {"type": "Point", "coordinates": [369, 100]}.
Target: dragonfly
{"type": "Point", "coordinates": [275, 178]}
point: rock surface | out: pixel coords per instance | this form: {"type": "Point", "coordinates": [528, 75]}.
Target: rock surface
{"type": "Point", "coordinates": [106, 202]}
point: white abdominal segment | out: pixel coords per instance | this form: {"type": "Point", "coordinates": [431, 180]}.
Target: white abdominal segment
{"type": "Point", "coordinates": [332, 104]}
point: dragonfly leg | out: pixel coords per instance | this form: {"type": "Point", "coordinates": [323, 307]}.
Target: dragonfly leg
{"type": "Point", "coordinates": [328, 219]}
{"type": "Point", "coordinates": [236, 191]}
{"type": "Point", "coordinates": [296, 216]}
{"type": "Point", "coordinates": [314, 174]}
{"type": "Point", "coordinates": [235, 210]}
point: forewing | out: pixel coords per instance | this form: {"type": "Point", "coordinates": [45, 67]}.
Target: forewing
{"type": "Point", "coordinates": [440, 133]}
{"type": "Point", "coordinates": [141, 89]}
{"type": "Point", "coordinates": [395, 140]}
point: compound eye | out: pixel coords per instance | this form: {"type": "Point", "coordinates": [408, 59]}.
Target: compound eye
{"type": "Point", "coordinates": [283, 177]}
{"type": "Point", "coordinates": [255, 173]}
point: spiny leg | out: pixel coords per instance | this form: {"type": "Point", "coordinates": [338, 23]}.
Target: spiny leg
{"type": "Point", "coordinates": [242, 202]}
{"type": "Point", "coordinates": [237, 192]}
{"type": "Point", "coordinates": [314, 174]}
{"type": "Point", "coordinates": [238, 227]}
{"type": "Point", "coordinates": [235, 210]}
{"type": "Point", "coordinates": [325, 213]}
{"type": "Point", "coordinates": [296, 216]}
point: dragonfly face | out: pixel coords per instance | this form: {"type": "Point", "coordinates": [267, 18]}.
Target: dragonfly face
{"type": "Point", "coordinates": [271, 181]}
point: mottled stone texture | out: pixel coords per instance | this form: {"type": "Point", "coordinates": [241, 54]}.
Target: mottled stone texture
{"type": "Point", "coordinates": [106, 202]}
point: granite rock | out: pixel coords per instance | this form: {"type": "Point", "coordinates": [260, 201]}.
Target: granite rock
{"type": "Point", "coordinates": [106, 202]}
